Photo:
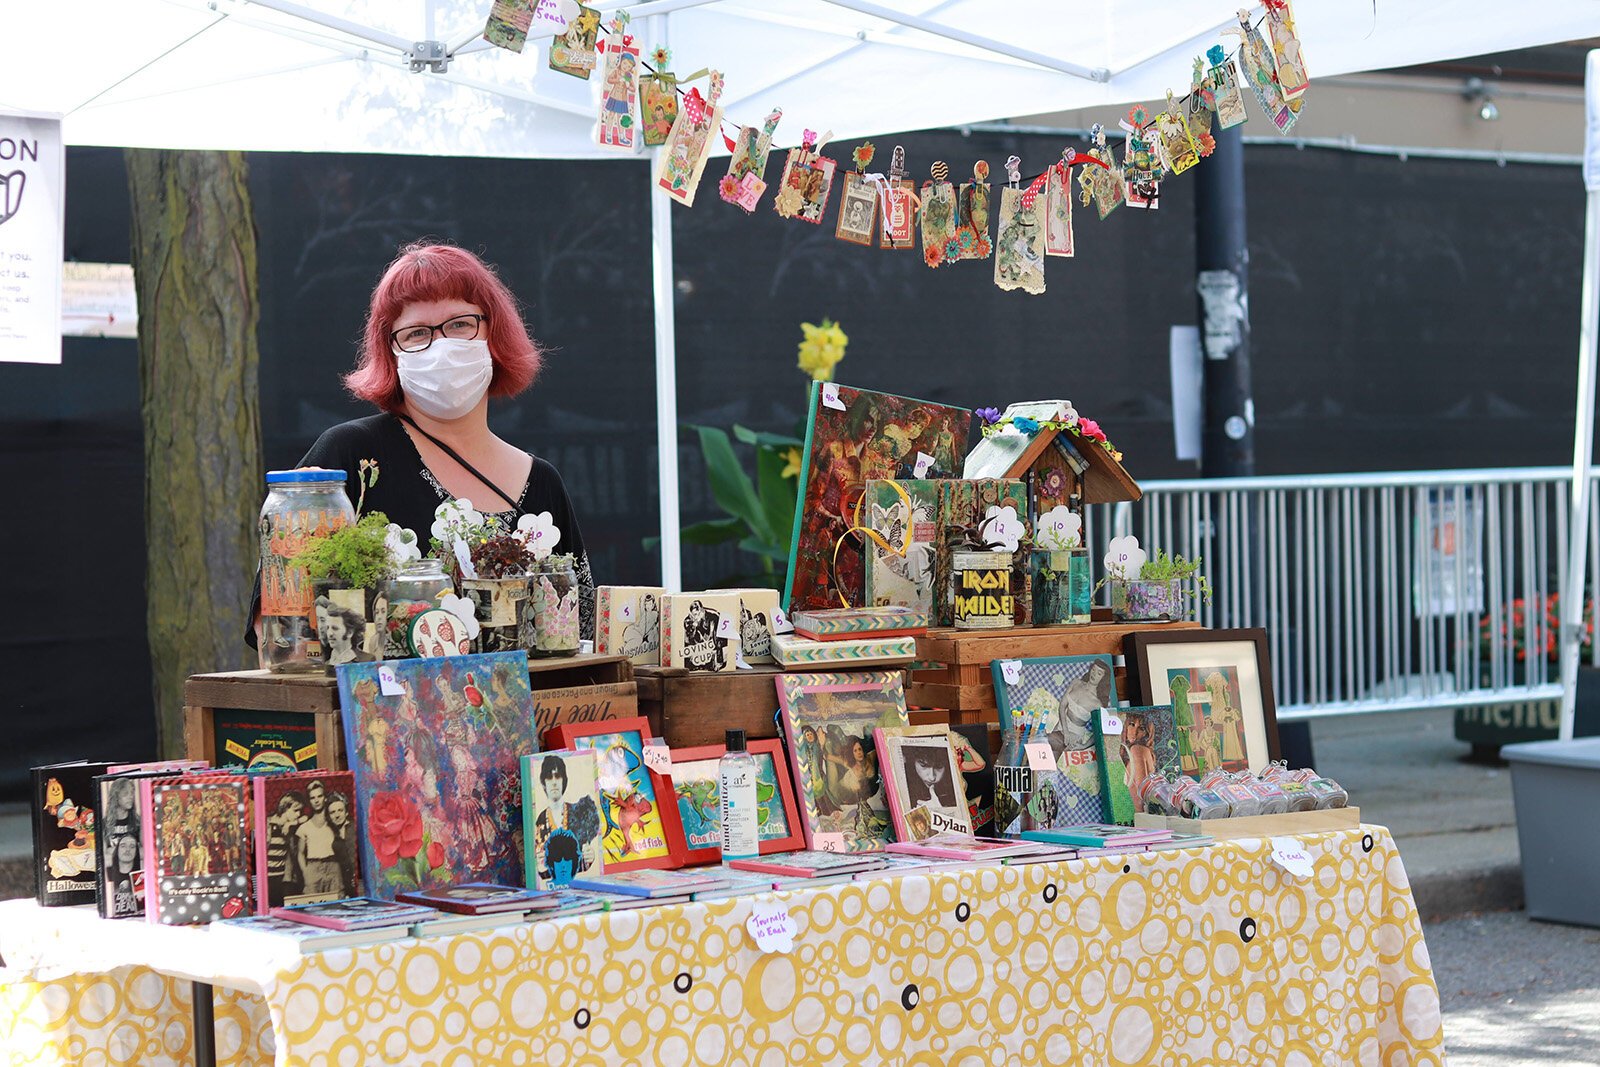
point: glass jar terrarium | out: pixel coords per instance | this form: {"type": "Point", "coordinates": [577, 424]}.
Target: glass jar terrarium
{"type": "Point", "coordinates": [301, 504]}
{"type": "Point", "coordinates": [982, 597]}
{"type": "Point", "coordinates": [1149, 599]}
{"type": "Point", "coordinates": [1061, 587]}
{"type": "Point", "coordinates": [550, 614]}
{"type": "Point", "coordinates": [499, 604]}
{"type": "Point", "coordinates": [417, 587]}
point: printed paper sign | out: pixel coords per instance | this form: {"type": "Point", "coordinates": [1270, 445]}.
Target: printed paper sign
{"type": "Point", "coordinates": [387, 684]}
{"type": "Point", "coordinates": [1039, 756]}
{"type": "Point", "coordinates": [772, 926]}
{"type": "Point", "coordinates": [828, 842]}
{"type": "Point", "coordinates": [830, 396]}
{"type": "Point", "coordinates": [924, 461]}
{"type": "Point", "coordinates": [658, 758]}
{"type": "Point", "coordinates": [1291, 856]}
{"type": "Point", "coordinates": [32, 165]}
{"type": "Point", "coordinates": [1110, 724]}
{"type": "Point", "coordinates": [1011, 671]}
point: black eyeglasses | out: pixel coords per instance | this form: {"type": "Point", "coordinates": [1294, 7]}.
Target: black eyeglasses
{"type": "Point", "coordinates": [418, 338]}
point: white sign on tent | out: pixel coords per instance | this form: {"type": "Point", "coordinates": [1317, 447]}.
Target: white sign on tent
{"type": "Point", "coordinates": [32, 173]}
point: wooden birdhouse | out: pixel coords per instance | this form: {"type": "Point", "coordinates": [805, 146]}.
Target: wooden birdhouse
{"type": "Point", "coordinates": [1059, 465]}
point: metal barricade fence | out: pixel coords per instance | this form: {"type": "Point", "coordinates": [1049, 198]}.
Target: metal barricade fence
{"type": "Point", "coordinates": [1378, 592]}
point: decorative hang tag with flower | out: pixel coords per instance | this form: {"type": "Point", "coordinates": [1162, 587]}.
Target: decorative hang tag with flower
{"type": "Point", "coordinates": [658, 97]}
{"type": "Point", "coordinates": [683, 157]}
{"type": "Point", "coordinates": [1140, 165]}
{"type": "Point", "coordinates": [1060, 529]}
{"type": "Point", "coordinates": [1019, 238]}
{"type": "Point", "coordinates": [1124, 557]}
{"type": "Point", "coordinates": [1177, 149]}
{"type": "Point", "coordinates": [1222, 82]}
{"type": "Point", "coordinates": [1261, 71]}
{"type": "Point", "coordinates": [1290, 62]}
{"type": "Point", "coordinates": [1100, 180]}
{"type": "Point", "coordinates": [744, 183]}
{"type": "Point", "coordinates": [938, 216]}
{"type": "Point", "coordinates": [619, 91]}
{"type": "Point", "coordinates": [858, 202]}
{"type": "Point", "coordinates": [573, 52]}
{"type": "Point", "coordinates": [807, 181]}
{"type": "Point", "coordinates": [509, 21]}
{"type": "Point", "coordinates": [1198, 112]}
{"type": "Point", "coordinates": [972, 216]}
{"type": "Point", "coordinates": [897, 205]}
{"type": "Point", "coordinates": [1058, 208]}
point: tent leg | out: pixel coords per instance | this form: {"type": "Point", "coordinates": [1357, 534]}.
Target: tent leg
{"type": "Point", "coordinates": [666, 384]}
{"type": "Point", "coordinates": [1223, 284]}
{"type": "Point", "coordinates": [1572, 591]}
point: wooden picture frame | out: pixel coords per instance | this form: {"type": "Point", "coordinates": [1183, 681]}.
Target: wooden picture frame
{"type": "Point", "coordinates": [770, 749]}
{"type": "Point", "coordinates": [647, 783]}
{"type": "Point", "coordinates": [1242, 666]}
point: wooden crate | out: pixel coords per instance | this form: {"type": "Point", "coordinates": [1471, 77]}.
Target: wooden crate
{"type": "Point", "coordinates": [959, 686]}
{"type": "Point", "coordinates": [316, 698]}
{"type": "Point", "coordinates": [690, 708]}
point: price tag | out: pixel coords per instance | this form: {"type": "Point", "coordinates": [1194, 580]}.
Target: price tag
{"type": "Point", "coordinates": [830, 396]}
{"type": "Point", "coordinates": [725, 626]}
{"type": "Point", "coordinates": [1292, 856]}
{"type": "Point", "coordinates": [781, 623]}
{"type": "Point", "coordinates": [924, 461]}
{"type": "Point", "coordinates": [1039, 756]}
{"type": "Point", "coordinates": [828, 842]}
{"type": "Point", "coordinates": [772, 926]}
{"type": "Point", "coordinates": [1110, 723]}
{"type": "Point", "coordinates": [1011, 671]}
{"type": "Point", "coordinates": [658, 758]}
{"type": "Point", "coordinates": [738, 659]}
{"type": "Point", "coordinates": [586, 647]}
{"type": "Point", "coordinates": [627, 610]}
{"type": "Point", "coordinates": [387, 684]}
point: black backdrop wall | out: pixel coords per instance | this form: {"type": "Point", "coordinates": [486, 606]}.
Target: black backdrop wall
{"type": "Point", "coordinates": [1405, 314]}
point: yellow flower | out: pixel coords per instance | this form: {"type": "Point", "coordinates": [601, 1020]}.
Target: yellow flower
{"type": "Point", "coordinates": [791, 463]}
{"type": "Point", "coordinates": [822, 349]}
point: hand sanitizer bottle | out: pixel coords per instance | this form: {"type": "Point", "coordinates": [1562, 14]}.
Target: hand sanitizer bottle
{"type": "Point", "coordinates": [736, 786]}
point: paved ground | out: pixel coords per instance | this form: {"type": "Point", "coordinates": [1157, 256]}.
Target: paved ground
{"type": "Point", "coordinates": [1517, 993]}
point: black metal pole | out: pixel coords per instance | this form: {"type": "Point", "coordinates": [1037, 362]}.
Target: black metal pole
{"type": "Point", "coordinates": [1222, 281]}
{"type": "Point", "coordinates": [205, 1026]}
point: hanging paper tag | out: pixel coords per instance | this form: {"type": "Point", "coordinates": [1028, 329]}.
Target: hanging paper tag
{"type": "Point", "coordinates": [858, 210]}
{"type": "Point", "coordinates": [550, 16]}
{"type": "Point", "coordinates": [1058, 213]}
{"type": "Point", "coordinates": [1039, 756]}
{"type": "Point", "coordinates": [781, 623]}
{"type": "Point", "coordinates": [509, 21]}
{"type": "Point", "coordinates": [807, 182]}
{"type": "Point", "coordinates": [1019, 244]}
{"type": "Point", "coordinates": [657, 756]}
{"type": "Point", "coordinates": [772, 926]}
{"type": "Point", "coordinates": [743, 184]}
{"type": "Point", "coordinates": [573, 52]}
{"type": "Point", "coordinates": [1292, 856]}
{"type": "Point", "coordinates": [619, 94]}
{"type": "Point", "coordinates": [464, 558]}
{"type": "Point", "coordinates": [972, 215]}
{"type": "Point", "coordinates": [1011, 671]}
{"type": "Point", "coordinates": [1110, 723]}
{"type": "Point", "coordinates": [830, 396]}
{"type": "Point", "coordinates": [924, 461]}
{"type": "Point", "coordinates": [683, 156]}
{"type": "Point", "coordinates": [938, 217]}
{"type": "Point", "coordinates": [1291, 65]}
{"type": "Point", "coordinates": [828, 842]}
{"type": "Point", "coordinates": [387, 683]}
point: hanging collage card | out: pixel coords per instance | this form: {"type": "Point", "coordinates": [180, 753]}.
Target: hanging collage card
{"type": "Point", "coordinates": [573, 52]}
{"type": "Point", "coordinates": [1019, 239]}
{"type": "Point", "coordinates": [683, 157]}
{"type": "Point", "coordinates": [898, 206]}
{"type": "Point", "coordinates": [1198, 111]}
{"type": "Point", "coordinates": [619, 91]}
{"type": "Point", "coordinates": [658, 98]}
{"type": "Point", "coordinates": [972, 215]}
{"type": "Point", "coordinates": [1223, 83]}
{"type": "Point", "coordinates": [1261, 71]}
{"type": "Point", "coordinates": [744, 183]}
{"type": "Point", "coordinates": [1058, 209]}
{"type": "Point", "coordinates": [1176, 148]}
{"type": "Point", "coordinates": [1141, 167]}
{"type": "Point", "coordinates": [508, 24]}
{"type": "Point", "coordinates": [938, 216]}
{"type": "Point", "coordinates": [807, 181]}
{"type": "Point", "coordinates": [1101, 180]}
{"type": "Point", "coordinates": [858, 202]}
{"type": "Point", "coordinates": [1290, 63]}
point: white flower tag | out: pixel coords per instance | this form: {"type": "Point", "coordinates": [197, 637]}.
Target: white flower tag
{"type": "Point", "coordinates": [464, 558]}
{"type": "Point", "coordinates": [463, 609]}
{"type": "Point", "coordinates": [540, 532]}
{"type": "Point", "coordinates": [1003, 526]}
{"type": "Point", "coordinates": [1060, 528]}
{"type": "Point", "coordinates": [772, 926]}
{"type": "Point", "coordinates": [1124, 557]}
{"type": "Point", "coordinates": [1291, 855]}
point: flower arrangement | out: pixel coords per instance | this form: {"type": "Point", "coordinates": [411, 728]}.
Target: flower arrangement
{"type": "Point", "coordinates": [1067, 420]}
{"type": "Point", "coordinates": [822, 349]}
{"type": "Point", "coordinates": [1514, 629]}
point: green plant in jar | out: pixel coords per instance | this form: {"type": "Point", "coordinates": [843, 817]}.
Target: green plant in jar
{"type": "Point", "coordinates": [357, 555]}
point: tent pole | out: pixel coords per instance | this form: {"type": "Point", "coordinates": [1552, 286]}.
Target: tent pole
{"type": "Point", "coordinates": [666, 362]}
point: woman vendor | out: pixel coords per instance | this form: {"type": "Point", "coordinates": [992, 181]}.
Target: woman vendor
{"type": "Point", "coordinates": [443, 335]}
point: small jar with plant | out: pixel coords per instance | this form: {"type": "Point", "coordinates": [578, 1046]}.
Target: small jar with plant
{"type": "Point", "coordinates": [499, 588]}
{"type": "Point", "coordinates": [1152, 589]}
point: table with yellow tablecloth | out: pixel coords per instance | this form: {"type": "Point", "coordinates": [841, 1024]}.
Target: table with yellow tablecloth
{"type": "Point", "coordinates": [1211, 955]}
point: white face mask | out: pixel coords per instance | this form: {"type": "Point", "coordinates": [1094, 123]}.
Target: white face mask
{"type": "Point", "coordinates": [446, 380]}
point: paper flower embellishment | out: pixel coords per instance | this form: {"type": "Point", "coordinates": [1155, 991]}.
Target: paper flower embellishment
{"type": "Point", "coordinates": [1067, 413]}
{"type": "Point", "coordinates": [661, 58]}
{"type": "Point", "coordinates": [1060, 528]}
{"type": "Point", "coordinates": [990, 416]}
{"type": "Point", "coordinates": [1025, 425]}
{"type": "Point", "coordinates": [401, 543]}
{"type": "Point", "coordinates": [862, 156]}
{"type": "Point", "coordinates": [1124, 557]}
{"type": "Point", "coordinates": [1215, 54]}
{"type": "Point", "coordinates": [1001, 526]}
{"type": "Point", "coordinates": [463, 609]}
{"type": "Point", "coordinates": [540, 532]}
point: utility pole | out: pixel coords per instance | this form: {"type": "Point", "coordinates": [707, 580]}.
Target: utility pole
{"type": "Point", "coordinates": [1222, 282]}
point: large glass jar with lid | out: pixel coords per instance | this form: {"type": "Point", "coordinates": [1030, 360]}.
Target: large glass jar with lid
{"type": "Point", "coordinates": [301, 504]}
{"type": "Point", "coordinates": [418, 587]}
{"type": "Point", "coordinates": [549, 623]}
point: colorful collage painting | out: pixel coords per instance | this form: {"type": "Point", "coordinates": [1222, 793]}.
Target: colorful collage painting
{"type": "Point", "coordinates": [853, 435]}
{"type": "Point", "coordinates": [1207, 709]}
{"type": "Point", "coordinates": [639, 824]}
{"type": "Point", "coordinates": [1146, 748]}
{"type": "Point", "coordinates": [436, 768]}
{"type": "Point", "coordinates": [696, 785]}
{"type": "Point", "coordinates": [1050, 700]}
{"type": "Point", "coordinates": [829, 719]}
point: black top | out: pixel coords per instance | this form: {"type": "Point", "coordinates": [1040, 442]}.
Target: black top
{"type": "Point", "coordinates": [409, 494]}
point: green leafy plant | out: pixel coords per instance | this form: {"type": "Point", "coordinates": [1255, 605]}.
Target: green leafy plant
{"type": "Point", "coordinates": [502, 556]}
{"type": "Point", "coordinates": [1163, 567]}
{"type": "Point", "coordinates": [760, 512]}
{"type": "Point", "coordinates": [357, 554]}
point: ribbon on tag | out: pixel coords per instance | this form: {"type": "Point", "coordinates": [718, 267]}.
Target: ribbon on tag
{"type": "Point", "coordinates": [885, 191]}
{"type": "Point", "coordinates": [694, 106]}
{"type": "Point", "coordinates": [869, 534]}
{"type": "Point", "coordinates": [1031, 194]}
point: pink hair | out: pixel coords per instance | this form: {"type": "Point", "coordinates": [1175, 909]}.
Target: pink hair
{"type": "Point", "coordinates": [428, 272]}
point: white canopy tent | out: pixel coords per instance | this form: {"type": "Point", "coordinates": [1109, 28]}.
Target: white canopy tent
{"type": "Point", "coordinates": [415, 77]}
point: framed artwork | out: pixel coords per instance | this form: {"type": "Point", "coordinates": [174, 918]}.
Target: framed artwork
{"type": "Point", "coordinates": [853, 436]}
{"type": "Point", "coordinates": [1219, 683]}
{"type": "Point", "coordinates": [828, 720]}
{"type": "Point", "coordinates": [923, 779]}
{"type": "Point", "coordinates": [639, 824]}
{"type": "Point", "coordinates": [1050, 701]}
{"type": "Point", "coordinates": [695, 783]}
{"type": "Point", "coordinates": [560, 817]}
{"type": "Point", "coordinates": [435, 759]}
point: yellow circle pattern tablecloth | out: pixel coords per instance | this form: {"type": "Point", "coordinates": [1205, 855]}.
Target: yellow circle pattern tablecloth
{"type": "Point", "coordinates": [1179, 958]}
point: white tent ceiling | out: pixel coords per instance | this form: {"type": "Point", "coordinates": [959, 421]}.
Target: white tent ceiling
{"type": "Point", "coordinates": [324, 75]}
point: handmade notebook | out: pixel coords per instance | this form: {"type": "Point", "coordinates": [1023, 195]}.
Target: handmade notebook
{"type": "Point", "coordinates": [758, 621]}
{"type": "Point", "coordinates": [1142, 745]}
{"type": "Point", "coordinates": [976, 760]}
{"type": "Point", "coordinates": [700, 631]}
{"type": "Point", "coordinates": [627, 622]}
{"type": "Point", "coordinates": [119, 835]}
{"type": "Point", "coordinates": [305, 838]}
{"type": "Point", "coordinates": [1049, 703]}
{"type": "Point", "coordinates": [63, 823]}
{"type": "Point", "coordinates": [197, 832]}
{"type": "Point", "coordinates": [923, 781]}
{"type": "Point", "coordinates": [560, 818]}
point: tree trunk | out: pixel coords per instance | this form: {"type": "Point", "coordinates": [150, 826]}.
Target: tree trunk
{"type": "Point", "coordinates": [194, 261]}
